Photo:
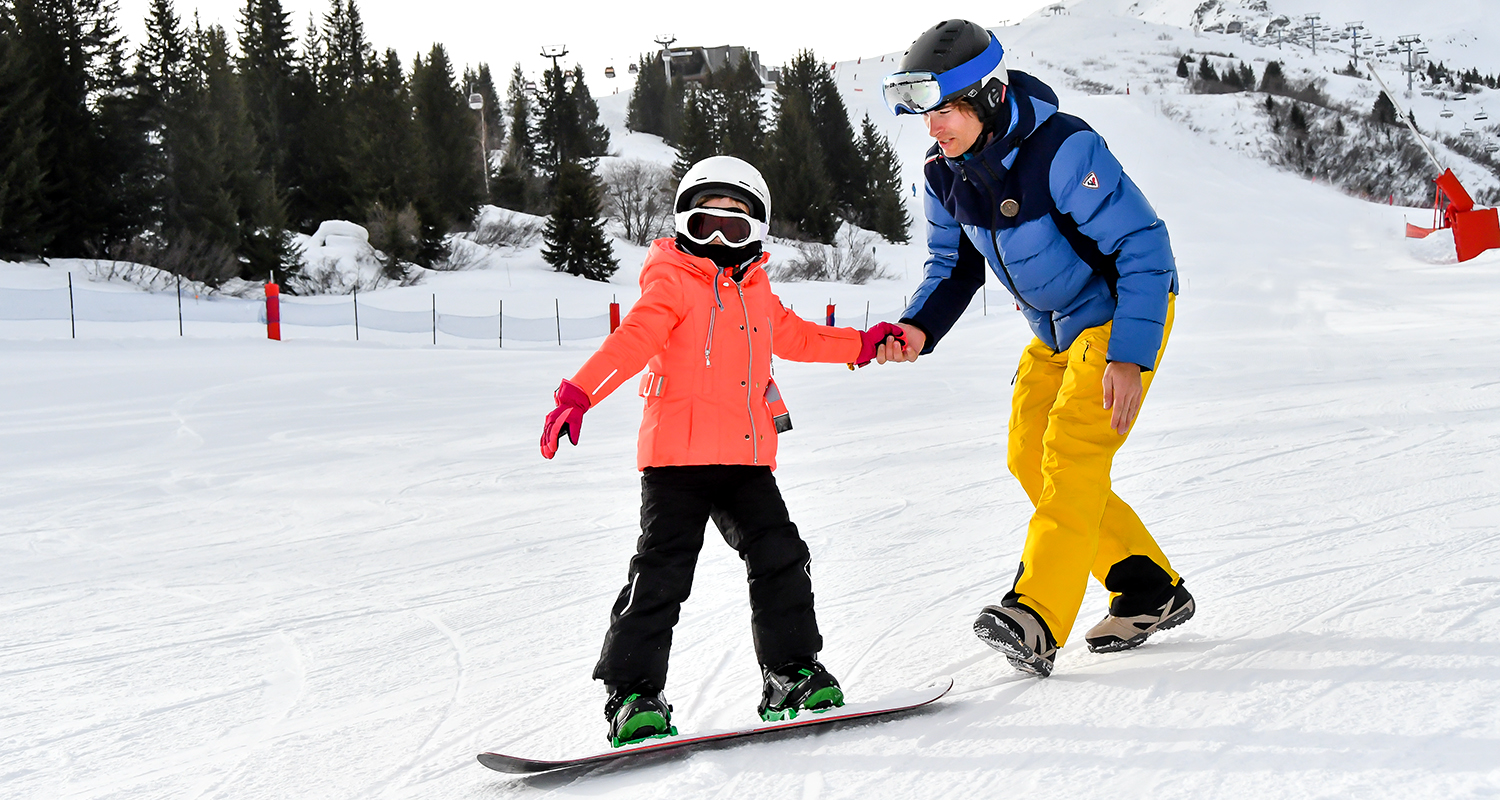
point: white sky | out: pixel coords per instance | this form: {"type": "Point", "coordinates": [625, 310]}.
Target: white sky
{"type": "Point", "coordinates": [600, 33]}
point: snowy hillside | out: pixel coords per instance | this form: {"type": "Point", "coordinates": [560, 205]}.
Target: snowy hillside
{"type": "Point", "coordinates": [317, 568]}
{"type": "Point", "coordinates": [1111, 47]}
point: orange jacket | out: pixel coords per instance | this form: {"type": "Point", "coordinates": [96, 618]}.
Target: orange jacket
{"type": "Point", "coordinates": [707, 343]}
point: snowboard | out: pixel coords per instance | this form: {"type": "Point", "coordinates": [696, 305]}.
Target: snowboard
{"type": "Point", "coordinates": [903, 700]}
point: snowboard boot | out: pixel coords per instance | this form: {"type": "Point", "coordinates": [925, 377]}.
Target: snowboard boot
{"type": "Point", "coordinates": [1020, 634]}
{"type": "Point", "coordinates": [637, 713]}
{"type": "Point", "coordinates": [1129, 623]}
{"type": "Point", "coordinates": [801, 685]}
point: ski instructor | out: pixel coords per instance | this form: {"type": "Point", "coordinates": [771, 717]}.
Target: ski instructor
{"type": "Point", "coordinates": [1037, 195]}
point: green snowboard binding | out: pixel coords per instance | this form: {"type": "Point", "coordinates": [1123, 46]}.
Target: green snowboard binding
{"type": "Point", "coordinates": [802, 685]}
{"type": "Point", "coordinates": [637, 715]}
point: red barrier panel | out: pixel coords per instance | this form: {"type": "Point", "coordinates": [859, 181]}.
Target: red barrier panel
{"type": "Point", "coordinates": [614, 316]}
{"type": "Point", "coordinates": [1457, 195]}
{"type": "Point", "coordinates": [1416, 232]}
{"type": "Point", "coordinates": [1475, 232]}
{"type": "Point", "coordinates": [273, 311]}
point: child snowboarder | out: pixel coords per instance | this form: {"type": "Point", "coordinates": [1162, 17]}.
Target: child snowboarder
{"type": "Point", "coordinates": [705, 328]}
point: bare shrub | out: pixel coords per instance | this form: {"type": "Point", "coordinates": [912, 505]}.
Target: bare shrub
{"type": "Point", "coordinates": [182, 253]}
{"type": "Point", "coordinates": [396, 234]}
{"type": "Point", "coordinates": [497, 227]}
{"type": "Point", "coordinates": [463, 254]}
{"type": "Point", "coordinates": [850, 259]}
{"type": "Point", "coordinates": [638, 195]}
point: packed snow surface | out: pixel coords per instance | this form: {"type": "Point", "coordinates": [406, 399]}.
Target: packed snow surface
{"type": "Point", "coordinates": [235, 568]}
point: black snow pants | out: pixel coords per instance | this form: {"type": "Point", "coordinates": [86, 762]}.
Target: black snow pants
{"type": "Point", "coordinates": [676, 504]}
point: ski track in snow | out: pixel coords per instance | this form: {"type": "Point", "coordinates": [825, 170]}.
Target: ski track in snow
{"type": "Point", "coordinates": [321, 569]}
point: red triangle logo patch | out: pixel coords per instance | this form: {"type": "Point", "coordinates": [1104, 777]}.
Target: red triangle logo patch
{"type": "Point", "coordinates": [1091, 182]}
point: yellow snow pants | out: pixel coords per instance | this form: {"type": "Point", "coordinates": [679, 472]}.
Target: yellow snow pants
{"type": "Point", "coordinates": [1061, 449]}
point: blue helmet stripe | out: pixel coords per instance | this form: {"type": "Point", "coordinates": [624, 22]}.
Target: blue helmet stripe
{"type": "Point", "coordinates": [973, 70]}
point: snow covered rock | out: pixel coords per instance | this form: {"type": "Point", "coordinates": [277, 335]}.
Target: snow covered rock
{"type": "Point", "coordinates": [337, 259]}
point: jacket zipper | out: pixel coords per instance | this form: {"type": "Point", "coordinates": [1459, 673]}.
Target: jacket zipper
{"type": "Point", "coordinates": [708, 346]}
{"type": "Point", "coordinates": [750, 379]}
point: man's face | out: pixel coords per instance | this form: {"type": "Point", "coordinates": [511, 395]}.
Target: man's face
{"type": "Point", "coordinates": [955, 128]}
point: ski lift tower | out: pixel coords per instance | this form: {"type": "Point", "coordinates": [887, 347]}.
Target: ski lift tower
{"type": "Point", "coordinates": [1354, 28]}
{"type": "Point", "coordinates": [1411, 64]}
{"type": "Point", "coordinates": [554, 52]}
{"type": "Point", "coordinates": [1312, 30]}
{"type": "Point", "coordinates": [666, 40]}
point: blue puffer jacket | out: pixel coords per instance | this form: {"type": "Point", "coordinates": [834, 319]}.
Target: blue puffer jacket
{"type": "Point", "coordinates": [1061, 225]}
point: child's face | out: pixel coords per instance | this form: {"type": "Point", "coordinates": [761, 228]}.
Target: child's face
{"type": "Point", "coordinates": [726, 203]}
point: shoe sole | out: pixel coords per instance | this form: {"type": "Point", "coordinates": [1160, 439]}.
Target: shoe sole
{"type": "Point", "coordinates": [1117, 645]}
{"type": "Point", "coordinates": [1020, 656]}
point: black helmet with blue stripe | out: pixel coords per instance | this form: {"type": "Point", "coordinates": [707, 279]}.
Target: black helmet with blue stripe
{"type": "Point", "coordinates": [955, 59]}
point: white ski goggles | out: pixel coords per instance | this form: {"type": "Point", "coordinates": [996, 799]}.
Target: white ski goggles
{"type": "Point", "coordinates": [729, 226]}
{"type": "Point", "coordinates": [912, 92]}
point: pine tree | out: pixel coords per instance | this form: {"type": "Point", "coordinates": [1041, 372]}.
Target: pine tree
{"type": "Point", "coordinates": [593, 137]}
{"type": "Point", "coordinates": [259, 214]}
{"type": "Point", "coordinates": [1384, 111]}
{"type": "Point", "coordinates": [795, 171]}
{"type": "Point", "coordinates": [162, 62]}
{"type": "Point", "coordinates": [1298, 119]}
{"type": "Point", "coordinates": [742, 116]}
{"type": "Point", "coordinates": [1182, 67]}
{"type": "Point", "coordinates": [647, 112]}
{"type": "Point", "coordinates": [568, 127]}
{"type": "Point", "coordinates": [1206, 71]}
{"type": "Point", "coordinates": [267, 62]}
{"type": "Point", "coordinates": [21, 135]}
{"type": "Point", "coordinates": [1273, 80]}
{"type": "Point", "coordinates": [884, 210]}
{"type": "Point", "coordinates": [446, 127]}
{"type": "Point", "coordinates": [1231, 79]}
{"type": "Point", "coordinates": [555, 122]}
{"type": "Point", "coordinates": [347, 56]}
{"type": "Point", "coordinates": [699, 138]}
{"type": "Point", "coordinates": [93, 152]}
{"type": "Point", "coordinates": [520, 147]}
{"type": "Point", "coordinates": [482, 82]}
{"type": "Point", "coordinates": [808, 80]}
{"type": "Point", "coordinates": [330, 83]}
{"type": "Point", "coordinates": [574, 237]}
{"type": "Point", "coordinates": [394, 169]}
{"type": "Point", "coordinates": [515, 186]}
{"type": "Point", "coordinates": [198, 203]}
{"type": "Point", "coordinates": [1247, 77]}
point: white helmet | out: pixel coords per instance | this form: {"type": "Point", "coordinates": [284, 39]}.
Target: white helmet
{"type": "Point", "coordinates": [725, 176]}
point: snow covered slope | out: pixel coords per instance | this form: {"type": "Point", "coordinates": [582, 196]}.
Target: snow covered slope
{"type": "Point", "coordinates": [244, 569]}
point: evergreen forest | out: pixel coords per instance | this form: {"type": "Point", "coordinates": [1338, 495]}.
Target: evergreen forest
{"type": "Point", "coordinates": [202, 150]}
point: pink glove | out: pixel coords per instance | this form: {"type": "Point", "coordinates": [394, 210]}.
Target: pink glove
{"type": "Point", "coordinates": [566, 418]}
{"type": "Point", "coordinates": [876, 335]}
